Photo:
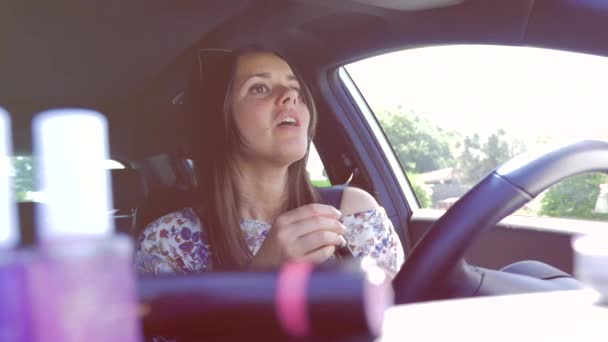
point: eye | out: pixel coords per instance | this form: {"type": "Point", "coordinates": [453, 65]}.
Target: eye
{"type": "Point", "coordinates": [259, 89]}
{"type": "Point", "coordinates": [299, 91]}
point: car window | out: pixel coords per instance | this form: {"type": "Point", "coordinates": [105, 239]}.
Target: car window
{"type": "Point", "coordinates": [316, 170]}
{"type": "Point", "coordinates": [23, 177]}
{"type": "Point", "coordinates": [454, 113]}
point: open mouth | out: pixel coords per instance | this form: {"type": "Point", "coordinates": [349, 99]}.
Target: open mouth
{"type": "Point", "coordinates": [289, 121]}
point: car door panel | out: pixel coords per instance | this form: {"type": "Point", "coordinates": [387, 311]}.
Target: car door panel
{"type": "Point", "coordinates": [509, 242]}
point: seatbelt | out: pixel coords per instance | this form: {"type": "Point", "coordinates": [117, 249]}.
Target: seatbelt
{"type": "Point", "coordinates": [333, 196]}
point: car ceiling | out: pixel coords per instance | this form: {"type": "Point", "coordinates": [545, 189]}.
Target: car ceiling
{"type": "Point", "coordinates": [129, 59]}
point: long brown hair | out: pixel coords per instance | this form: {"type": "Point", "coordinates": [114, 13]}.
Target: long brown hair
{"type": "Point", "coordinates": [216, 165]}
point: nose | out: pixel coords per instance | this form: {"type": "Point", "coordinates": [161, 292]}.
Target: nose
{"type": "Point", "coordinates": [289, 97]}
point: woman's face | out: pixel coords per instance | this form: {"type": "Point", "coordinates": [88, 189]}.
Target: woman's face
{"type": "Point", "coordinates": [269, 111]}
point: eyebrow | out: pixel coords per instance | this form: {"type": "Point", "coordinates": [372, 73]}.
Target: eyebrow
{"type": "Point", "coordinates": [290, 77]}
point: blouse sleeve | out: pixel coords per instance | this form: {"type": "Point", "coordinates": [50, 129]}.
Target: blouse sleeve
{"type": "Point", "coordinates": [371, 233]}
{"type": "Point", "coordinates": [174, 243]}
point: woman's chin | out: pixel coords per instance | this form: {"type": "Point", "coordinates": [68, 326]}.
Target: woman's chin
{"type": "Point", "coordinates": [288, 157]}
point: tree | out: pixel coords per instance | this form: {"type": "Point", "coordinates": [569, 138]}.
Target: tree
{"type": "Point", "coordinates": [470, 159]}
{"type": "Point", "coordinates": [23, 176]}
{"type": "Point", "coordinates": [419, 145]}
{"type": "Point", "coordinates": [478, 159]}
{"type": "Point", "coordinates": [496, 150]}
{"type": "Point", "coordinates": [574, 197]}
{"type": "Point", "coordinates": [424, 199]}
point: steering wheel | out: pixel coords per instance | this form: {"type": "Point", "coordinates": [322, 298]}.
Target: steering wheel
{"type": "Point", "coordinates": [436, 268]}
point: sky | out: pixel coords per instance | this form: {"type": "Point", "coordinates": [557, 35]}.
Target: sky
{"type": "Point", "coordinates": [528, 92]}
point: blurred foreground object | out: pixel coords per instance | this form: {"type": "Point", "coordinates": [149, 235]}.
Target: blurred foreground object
{"type": "Point", "coordinates": [15, 316]}
{"type": "Point", "coordinates": [302, 300]}
{"type": "Point", "coordinates": [81, 279]}
{"type": "Point", "coordinates": [591, 262]}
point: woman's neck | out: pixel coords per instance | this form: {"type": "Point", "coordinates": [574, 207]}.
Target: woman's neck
{"type": "Point", "coordinates": [263, 191]}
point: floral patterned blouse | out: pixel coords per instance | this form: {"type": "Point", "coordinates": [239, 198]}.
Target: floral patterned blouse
{"type": "Point", "coordinates": [178, 243]}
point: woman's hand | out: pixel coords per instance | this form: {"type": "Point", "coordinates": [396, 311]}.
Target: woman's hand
{"type": "Point", "coordinates": [310, 232]}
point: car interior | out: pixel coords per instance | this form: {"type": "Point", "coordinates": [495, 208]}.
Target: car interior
{"type": "Point", "coordinates": [133, 61]}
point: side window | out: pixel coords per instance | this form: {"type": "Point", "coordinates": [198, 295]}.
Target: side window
{"type": "Point", "coordinates": [23, 177]}
{"type": "Point", "coordinates": [316, 170]}
{"type": "Point", "coordinates": [454, 113]}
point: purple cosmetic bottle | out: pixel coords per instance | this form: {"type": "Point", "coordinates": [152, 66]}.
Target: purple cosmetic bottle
{"type": "Point", "coordinates": [82, 282]}
{"type": "Point", "coordinates": [15, 323]}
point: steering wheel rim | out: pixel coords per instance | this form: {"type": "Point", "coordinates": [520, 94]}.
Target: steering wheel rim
{"type": "Point", "coordinates": [436, 267]}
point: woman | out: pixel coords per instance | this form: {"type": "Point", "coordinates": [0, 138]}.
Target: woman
{"type": "Point", "coordinates": [257, 122]}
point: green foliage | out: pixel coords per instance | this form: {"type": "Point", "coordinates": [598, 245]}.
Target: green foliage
{"type": "Point", "coordinates": [478, 158]}
{"type": "Point", "coordinates": [321, 183]}
{"type": "Point", "coordinates": [422, 146]}
{"type": "Point", "coordinates": [419, 145]}
{"type": "Point", "coordinates": [23, 176]}
{"type": "Point", "coordinates": [424, 198]}
{"type": "Point", "coordinates": [574, 197]}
